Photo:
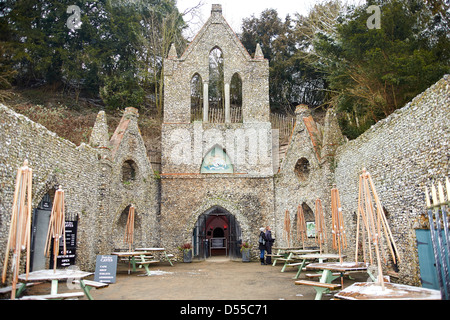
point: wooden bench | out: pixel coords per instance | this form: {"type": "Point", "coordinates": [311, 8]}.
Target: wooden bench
{"type": "Point", "coordinates": [320, 287]}
{"type": "Point", "coordinates": [93, 284]}
{"type": "Point", "coordinates": [88, 285]}
{"type": "Point", "coordinates": [145, 265]}
{"type": "Point", "coordinates": [276, 256]}
{"type": "Point", "coordinates": [295, 262]}
{"type": "Point", "coordinates": [146, 257]}
{"type": "Point", "coordinates": [19, 289]}
{"type": "Point", "coordinates": [9, 288]}
{"type": "Point", "coordinates": [147, 262]}
{"type": "Point", "coordinates": [318, 275]}
{"type": "Point", "coordinates": [58, 296]}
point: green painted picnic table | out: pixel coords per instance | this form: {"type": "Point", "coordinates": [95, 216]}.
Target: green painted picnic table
{"type": "Point", "coordinates": [163, 250]}
{"type": "Point", "coordinates": [55, 276]}
{"type": "Point", "coordinates": [285, 252]}
{"type": "Point", "coordinates": [327, 277]}
{"type": "Point", "coordinates": [292, 256]}
{"type": "Point", "coordinates": [137, 258]}
{"type": "Point", "coordinates": [313, 256]}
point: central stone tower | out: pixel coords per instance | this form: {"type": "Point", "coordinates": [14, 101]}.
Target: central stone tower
{"type": "Point", "coordinates": [216, 142]}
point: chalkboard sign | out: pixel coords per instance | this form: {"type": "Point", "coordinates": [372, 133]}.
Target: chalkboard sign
{"type": "Point", "coordinates": [105, 269]}
{"type": "Point", "coordinates": [71, 234]}
{"type": "Point", "coordinates": [68, 259]}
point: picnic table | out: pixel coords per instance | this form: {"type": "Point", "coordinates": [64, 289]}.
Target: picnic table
{"type": "Point", "coordinates": [137, 258]}
{"type": "Point", "coordinates": [313, 256]}
{"type": "Point", "coordinates": [292, 255]}
{"type": "Point", "coordinates": [283, 253]}
{"type": "Point", "coordinates": [324, 284]}
{"type": "Point", "coordinates": [393, 291]}
{"type": "Point", "coordinates": [55, 276]}
{"type": "Point", "coordinates": [168, 256]}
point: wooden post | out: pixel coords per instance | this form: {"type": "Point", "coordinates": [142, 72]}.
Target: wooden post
{"type": "Point", "coordinates": [20, 225]}
{"type": "Point", "coordinates": [339, 238]}
{"type": "Point", "coordinates": [287, 228]}
{"type": "Point", "coordinates": [301, 225]}
{"type": "Point", "coordinates": [129, 231]}
{"type": "Point", "coordinates": [56, 227]}
{"type": "Point", "coordinates": [321, 234]}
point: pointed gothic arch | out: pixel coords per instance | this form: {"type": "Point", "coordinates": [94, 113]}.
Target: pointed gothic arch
{"type": "Point", "coordinates": [216, 86]}
{"type": "Point", "coordinates": [217, 161]}
{"type": "Point", "coordinates": [236, 98]}
{"type": "Point", "coordinates": [206, 231]}
{"type": "Point", "coordinates": [196, 86]}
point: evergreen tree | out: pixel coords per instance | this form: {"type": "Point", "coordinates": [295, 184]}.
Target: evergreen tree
{"type": "Point", "coordinates": [104, 55]}
{"type": "Point", "coordinates": [292, 79]}
{"type": "Point", "coordinates": [372, 72]}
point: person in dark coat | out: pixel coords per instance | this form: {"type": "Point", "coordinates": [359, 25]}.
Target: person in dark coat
{"type": "Point", "coordinates": [269, 244]}
{"type": "Point", "coordinates": [262, 244]}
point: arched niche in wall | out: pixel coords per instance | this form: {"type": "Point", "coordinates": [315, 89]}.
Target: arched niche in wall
{"type": "Point", "coordinates": [196, 97]}
{"type": "Point", "coordinates": [302, 169]}
{"type": "Point", "coordinates": [310, 220]}
{"type": "Point", "coordinates": [217, 161]}
{"type": "Point", "coordinates": [216, 89]}
{"type": "Point", "coordinates": [129, 171]}
{"type": "Point", "coordinates": [236, 98]}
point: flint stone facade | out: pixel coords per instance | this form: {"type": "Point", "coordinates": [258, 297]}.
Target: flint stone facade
{"type": "Point", "coordinates": [403, 153]}
{"type": "Point", "coordinates": [90, 175]}
{"type": "Point", "coordinates": [186, 194]}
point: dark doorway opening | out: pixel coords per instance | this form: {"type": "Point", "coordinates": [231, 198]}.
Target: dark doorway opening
{"type": "Point", "coordinates": [217, 233]}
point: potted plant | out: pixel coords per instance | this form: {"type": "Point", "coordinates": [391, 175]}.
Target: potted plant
{"type": "Point", "coordinates": [245, 250]}
{"type": "Point", "coordinates": [187, 252]}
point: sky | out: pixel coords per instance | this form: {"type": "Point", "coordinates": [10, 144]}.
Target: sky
{"type": "Point", "coordinates": [235, 10]}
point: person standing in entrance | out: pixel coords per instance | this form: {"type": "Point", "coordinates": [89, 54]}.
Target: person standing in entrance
{"type": "Point", "coordinates": [262, 244]}
{"type": "Point", "coordinates": [269, 244]}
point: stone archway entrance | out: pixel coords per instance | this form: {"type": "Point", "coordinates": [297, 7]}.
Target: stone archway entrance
{"type": "Point", "coordinates": [217, 233]}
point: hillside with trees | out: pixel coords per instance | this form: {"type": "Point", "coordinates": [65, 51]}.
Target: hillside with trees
{"type": "Point", "coordinates": [60, 66]}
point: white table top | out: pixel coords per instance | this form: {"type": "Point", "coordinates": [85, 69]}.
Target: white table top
{"type": "Point", "coordinates": [320, 256]}
{"type": "Point", "coordinates": [128, 253]}
{"type": "Point", "coordinates": [392, 291]}
{"type": "Point", "coordinates": [303, 251]}
{"type": "Point", "coordinates": [339, 267]}
{"type": "Point", "coordinates": [58, 274]}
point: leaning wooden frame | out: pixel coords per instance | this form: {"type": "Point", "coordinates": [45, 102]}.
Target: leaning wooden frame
{"type": "Point", "coordinates": [129, 230]}
{"type": "Point", "coordinates": [287, 228]}
{"type": "Point", "coordinates": [20, 226]}
{"type": "Point", "coordinates": [374, 225]}
{"type": "Point", "coordinates": [301, 225]}
{"type": "Point", "coordinates": [440, 242]}
{"type": "Point", "coordinates": [320, 234]}
{"type": "Point", "coordinates": [56, 227]}
{"type": "Point", "coordinates": [338, 230]}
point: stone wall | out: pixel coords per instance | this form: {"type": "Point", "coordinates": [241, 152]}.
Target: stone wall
{"type": "Point", "coordinates": [92, 179]}
{"type": "Point", "coordinates": [141, 190]}
{"type": "Point", "coordinates": [314, 146]}
{"type": "Point", "coordinates": [186, 193]}
{"type": "Point", "coordinates": [54, 161]}
{"type": "Point", "coordinates": [404, 153]}
{"type": "Point", "coordinates": [184, 199]}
